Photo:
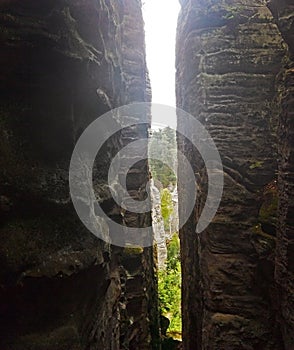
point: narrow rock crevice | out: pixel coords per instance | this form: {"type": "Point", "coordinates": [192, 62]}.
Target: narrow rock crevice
{"type": "Point", "coordinates": [66, 62]}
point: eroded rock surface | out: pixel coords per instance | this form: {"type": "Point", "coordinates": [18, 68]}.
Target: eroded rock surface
{"type": "Point", "coordinates": [64, 63]}
{"type": "Point", "coordinates": [284, 272]}
{"type": "Point", "coordinates": [158, 227]}
{"type": "Point", "coordinates": [229, 54]}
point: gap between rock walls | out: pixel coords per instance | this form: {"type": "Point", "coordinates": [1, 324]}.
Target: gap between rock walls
{"type": "Point", "coordinates": [229, 66]}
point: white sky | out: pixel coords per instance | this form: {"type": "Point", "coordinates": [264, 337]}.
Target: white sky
{"type": "Point", "coordinates": [160, 18]}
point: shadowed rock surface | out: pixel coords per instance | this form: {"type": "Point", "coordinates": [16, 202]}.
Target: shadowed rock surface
{"type": "Point", "coordinates": [284, 270]}
{"type": "Point", "coordinates": [64, 63]}
{"type": "Point", "coordinates": [237, 275]}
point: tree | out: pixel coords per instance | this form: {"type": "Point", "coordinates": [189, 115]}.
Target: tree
{"type": "Point", "coordinates": [169, 286]}
{"type": "Point", "coordinates": [167, 207]}
{"type": "Point", "coordinates": [163, 145]}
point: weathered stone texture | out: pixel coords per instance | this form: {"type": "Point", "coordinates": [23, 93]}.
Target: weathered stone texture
{"type": "Point", "coordinates": [63, 63]}
{"type": "Point", "coordinates": [228, 56]}
{"type": "Point", "coordinates": [284, 271]}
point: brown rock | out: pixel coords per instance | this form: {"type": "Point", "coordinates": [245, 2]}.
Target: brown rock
{"type": "Point", "coordinates": [284, 269]}
{"type": "Point", "coordinates": [64, 63]}
{"type": "Point", "coordinates": [228, 56]}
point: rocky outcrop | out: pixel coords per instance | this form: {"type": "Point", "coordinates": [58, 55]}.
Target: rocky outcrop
{"type": "Point", "coordinates": [228, 56]}
{"type": "Point", "coordinates": [284, 272]}
{"type": "Point", "coordinates": [64, 63]}
{"type": "Point", "coordinates": [158, 227]}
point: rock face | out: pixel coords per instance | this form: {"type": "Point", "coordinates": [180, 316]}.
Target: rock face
{"type": "Point", "coordinates": [229, 54]}
{"type": "Point", "coordinates": [64, 63]}
{"type": "Point", "coordinates": [161, 236]}
{"type": "Point", "coordinates": [158, 227]}
{"type": "Point", "coordinates": [284, 272]}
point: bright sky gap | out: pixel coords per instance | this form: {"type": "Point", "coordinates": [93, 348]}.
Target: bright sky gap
{"type": "Point", "coordinates": [160, 17]}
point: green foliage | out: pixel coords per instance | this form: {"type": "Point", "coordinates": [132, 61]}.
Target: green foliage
{"type": "Point", "coordinates": [162, 173]}
{"type": "Point", "coordinates": [132, 250]}
{"type": "Point", "coordinates": [163, 145]}
{"type": "Point", "coordinates": [173, 253]}
{"type": "Point", "coordinates": [166, 207]}
{"type": "Point", "coordinates": [255, 165]}
{"type": "Point", "coordinates": [169, 286]}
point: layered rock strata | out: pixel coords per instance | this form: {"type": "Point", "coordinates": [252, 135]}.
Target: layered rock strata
{"type": "Point", "coordinates": [229, 54]}
{"type": "Point", "coordinates": [283, 12]}
{"type": "Point", "coordinates": [64, 63]}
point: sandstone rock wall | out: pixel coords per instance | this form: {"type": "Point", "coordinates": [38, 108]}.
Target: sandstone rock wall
{"type": "Point", "coordinates": [229, 54]}
{"type": "Point", "coordinates": [64, 63]}
{"type": "Point", "coordinates": [158, 227]}
{"type": "Point", "coordinates": [284, 272]}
